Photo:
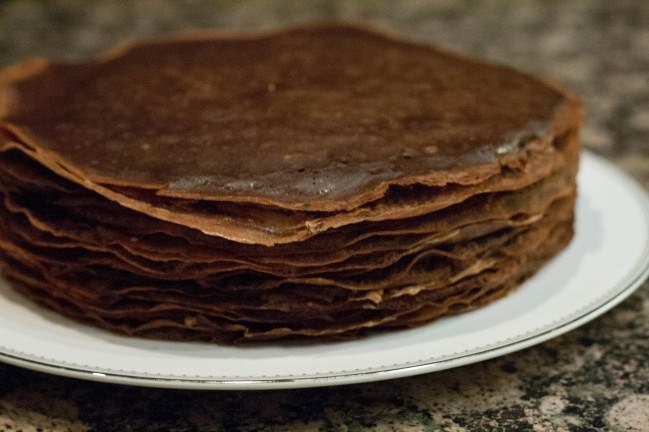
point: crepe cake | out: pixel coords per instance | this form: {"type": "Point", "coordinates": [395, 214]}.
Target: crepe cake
{"type": "Point", "coordinates": [316, 181]}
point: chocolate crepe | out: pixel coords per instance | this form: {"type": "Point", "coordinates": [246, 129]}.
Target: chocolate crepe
{"type": "Point", "coordinates": [315, 181]}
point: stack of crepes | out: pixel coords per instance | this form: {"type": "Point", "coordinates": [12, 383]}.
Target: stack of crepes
{"type": "Point", "coordinates": [317, 181]}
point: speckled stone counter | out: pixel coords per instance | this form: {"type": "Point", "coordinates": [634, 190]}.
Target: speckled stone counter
{"type": "Point", "coordinates": [594, 378]}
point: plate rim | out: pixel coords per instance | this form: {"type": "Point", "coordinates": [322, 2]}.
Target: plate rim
{"type": "Point", "coordinates": [593, 309]}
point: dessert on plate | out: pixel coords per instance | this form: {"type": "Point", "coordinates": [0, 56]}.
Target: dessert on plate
{"type": "Point", "coordinates": [316, 181]}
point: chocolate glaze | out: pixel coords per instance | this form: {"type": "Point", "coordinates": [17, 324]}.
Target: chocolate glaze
{"type": "Point", "coordinates": [317, 118]}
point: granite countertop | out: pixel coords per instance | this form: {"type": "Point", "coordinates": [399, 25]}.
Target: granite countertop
{"type": "Point", "coordinates": [593, 378]}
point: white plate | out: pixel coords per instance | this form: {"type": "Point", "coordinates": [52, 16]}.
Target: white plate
{"type": "Point", "coordinates": [607, 260]}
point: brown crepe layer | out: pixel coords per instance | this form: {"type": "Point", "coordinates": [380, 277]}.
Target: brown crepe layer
{"type": "Point", "coordinates": [229, 188]}
{"type": "Point", "coordinates": [222, 315]}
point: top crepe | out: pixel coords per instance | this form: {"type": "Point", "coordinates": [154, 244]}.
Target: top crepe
{"type": "Point", "coordinates": [319, 119]}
